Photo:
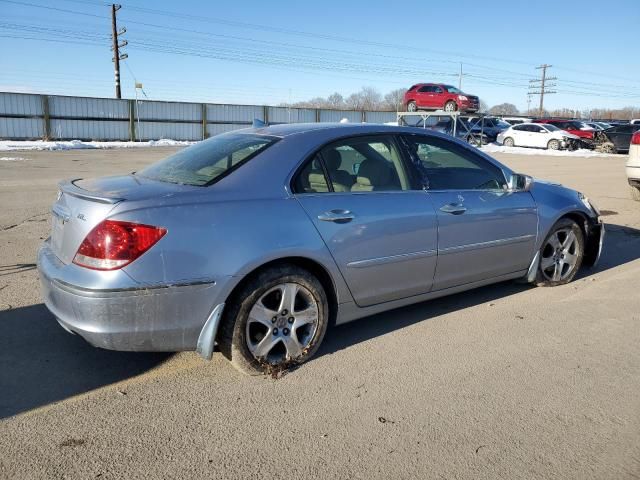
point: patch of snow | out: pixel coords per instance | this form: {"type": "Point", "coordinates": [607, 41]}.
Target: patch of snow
{"type": "Point", "coordinates": [582, 152]}
{"type": "Point", "coordinates": [344, 120]}
{"type": "Point", "coordinates": [11, 159]}
{"type": "Point", "coordinates": [393, 124]}
{"type": "Point", "coordinates": [10, 145]}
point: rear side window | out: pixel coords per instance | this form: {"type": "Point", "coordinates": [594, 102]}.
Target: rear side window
{"type": "Point", "coordinates": [520, 128]}
{"type": "Point", "coordinates": [205, 162]}
{"type": "Point", "coordinates": [357, 164]}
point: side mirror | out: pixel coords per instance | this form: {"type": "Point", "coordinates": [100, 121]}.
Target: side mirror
{"type": "Point", "coordinates": [520, 182]}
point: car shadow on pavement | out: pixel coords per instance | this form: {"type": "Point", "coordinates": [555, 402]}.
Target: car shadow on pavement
{"type": "Point", "coordinates": [41, 363]}
{"type": "Point", "coordinates": [621, 246]}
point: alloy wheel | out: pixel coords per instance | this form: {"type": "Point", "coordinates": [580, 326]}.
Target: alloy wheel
{"type": "Point", "coordinates": [282, 324]}
{"type": "Point", "coordinates": [560, 255]}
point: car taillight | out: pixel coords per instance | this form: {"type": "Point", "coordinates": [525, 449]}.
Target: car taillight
{"type": "Point", "coordinates": [113, 244]}
{"type": "Point", "coordinates": [635, 138]}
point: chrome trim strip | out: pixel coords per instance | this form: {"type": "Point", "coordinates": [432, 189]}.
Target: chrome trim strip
{"type": "Point", "coordinates": [370, 262]}
{"type": "Point", "coordinates": [207, 337]}
{"type": "Point", "coordinates": [490, 243]}
{"type": "Point", "coordinates": [114, 292]}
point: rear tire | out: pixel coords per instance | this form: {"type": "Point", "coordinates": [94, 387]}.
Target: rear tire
{"type": "Point", "coordinates": [553, 144]}
{"type": "Point", "coordinates": [267, 330]}
{"type": "Point", "coordinates": [561, 254]}
{"type": "Point", "coordinates": [412, 106]}
{"type": "Point", "coordinates": [508, 142]}
{"type": "Point", "coordinates": [635, 193]}
{"type": "Point", "coordinates": [450, 106]}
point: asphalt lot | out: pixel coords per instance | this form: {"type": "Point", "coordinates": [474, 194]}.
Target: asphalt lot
{"type": "Point", "coordinates": [508, 381]}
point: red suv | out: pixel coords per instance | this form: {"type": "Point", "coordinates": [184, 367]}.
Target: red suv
{"type": "Point", "coordinates": [438, 96]}
{"type": "Point", "coordinates": [572, 126]}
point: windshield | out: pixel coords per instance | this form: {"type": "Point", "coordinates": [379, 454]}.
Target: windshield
{"type": "Point", "coordinates": [452, 89]}
{"type": "Point", "coordinates": [205, 162]}
{"type": "Point", "coordinates": [551, 128]}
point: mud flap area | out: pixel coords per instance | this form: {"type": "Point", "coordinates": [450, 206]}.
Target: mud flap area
{"type": "Point", "coordinates": [593, 247]}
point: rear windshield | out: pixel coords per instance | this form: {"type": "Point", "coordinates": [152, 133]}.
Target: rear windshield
{"type": "Point", "coordinates": [207, 161]}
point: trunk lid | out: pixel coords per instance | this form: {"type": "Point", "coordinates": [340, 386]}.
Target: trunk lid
{"type": "Point", "coordinates": [83, 204]}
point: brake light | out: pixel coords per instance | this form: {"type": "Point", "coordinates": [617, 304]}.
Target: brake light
{"type": "Point", "coordinates": [113, 244]}
{"type": "Point", "coordinates": [635, 138]}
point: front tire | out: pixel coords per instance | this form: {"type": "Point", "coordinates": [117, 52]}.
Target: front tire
{"type": "Point", "coordinates": [635, 193]}
{"type": "Point", "coordinates": [277, 320]}
{"type": "Point", "coordinates": [553, 144]}
{"type": "Point", "coordinates": [561, 254]}
{"type": "Point", "coordinates": [450, 106]}
{"type": "Point", "coordinates": [508, 142]}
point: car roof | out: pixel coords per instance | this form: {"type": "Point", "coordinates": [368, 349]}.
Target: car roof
{"type": "Point", "coordinates": [285, 130]}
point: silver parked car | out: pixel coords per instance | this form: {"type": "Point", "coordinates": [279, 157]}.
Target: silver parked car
{"type": "Point", "coordinates": [259, 239]}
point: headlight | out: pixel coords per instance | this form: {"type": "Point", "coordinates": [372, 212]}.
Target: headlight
{"type": "Point", "coordinates": [462, 97]}
{"type": "Point", "coordinates": [589, 204]}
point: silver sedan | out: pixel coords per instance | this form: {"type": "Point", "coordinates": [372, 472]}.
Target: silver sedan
{"type": "Point", "coordinates": [257, 240]}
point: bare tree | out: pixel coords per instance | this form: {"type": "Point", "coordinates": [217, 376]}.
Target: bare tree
{"type": "Point", "coordinates": [483, 106]}
{"type": "Point", "coordinates": [335, 100]}
{"type": "Point", "coordinates": [370, 98]}
{"type": "Point", "coordinates": [393, 99]}
{"type": "Point", "coordinates": [504, 109]}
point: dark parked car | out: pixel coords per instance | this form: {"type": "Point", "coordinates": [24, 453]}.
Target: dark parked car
{"type": "Point", "coordinates": [488, 127]}
{"type": "Point", "coordinates": [438, 96]}
{"type": "Point", "coordinates": [620, 136]}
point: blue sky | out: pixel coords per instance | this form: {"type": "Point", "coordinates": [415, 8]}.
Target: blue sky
{"type": "Point", "coordinates": [279, 51]}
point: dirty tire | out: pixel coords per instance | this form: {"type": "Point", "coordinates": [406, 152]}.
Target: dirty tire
{"type": "Point", "coordinates": [635, 193]}
{"type": "Point", "coordinates": [232, 339]}
{"type": "Point", "coordinates": [412, 106]}
{"type": "Point", "coordinates": [544, 276]}
{"type": "Point", "coordinates": [450, 106]}
{"type": "Point", "coordinates": [508, 142]}
{"type": "Point", "coordinates": [553, 144]}
{"type": "Point", "coordinates": [608, 148]}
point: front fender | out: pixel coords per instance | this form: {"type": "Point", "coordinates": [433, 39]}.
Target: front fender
{"type": "Point", "coordinates": [555, 202]}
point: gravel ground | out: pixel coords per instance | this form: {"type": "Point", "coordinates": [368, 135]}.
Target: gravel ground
{"type": "Point", "coordinates": [508, 381]}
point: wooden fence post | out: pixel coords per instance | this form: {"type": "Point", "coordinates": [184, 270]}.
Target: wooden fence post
{"type": "Point", "coordinates": [204, 121]}
{"type": "Point", "coordinates": [45, 118]}
{"type": "Point", "coordinates": [132, 121]}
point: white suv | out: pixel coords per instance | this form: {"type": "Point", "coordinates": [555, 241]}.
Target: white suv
{"type": "Point", "coordinates": [633, 165]}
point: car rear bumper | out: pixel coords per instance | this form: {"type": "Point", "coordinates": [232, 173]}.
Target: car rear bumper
{"type": "Point", "coordinates": [145, 318]}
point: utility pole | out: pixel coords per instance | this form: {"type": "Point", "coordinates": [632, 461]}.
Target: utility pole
{"type": "Point", "coordinates": [460, 78]}
{"type": "Point", "coordinates": [543, 86]}
{"type": "Point", "coordinates": [117, 46]}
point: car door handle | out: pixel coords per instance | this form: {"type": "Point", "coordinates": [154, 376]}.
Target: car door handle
{"type": "Point", "coordinates": [337, 216]}
{"type": "Point", "coordinates": [453, 208]}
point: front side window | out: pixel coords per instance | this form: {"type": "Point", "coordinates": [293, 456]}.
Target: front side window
{"type": "Point", "coordinates": [444, 165]}
{"type": "Point", "coordinates": [205, 162]}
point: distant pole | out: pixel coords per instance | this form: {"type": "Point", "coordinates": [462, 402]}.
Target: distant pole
{"type": "Point", "coordinates": [117, 46]}
{"type": "Point", "coordinates": [460, 78]}
{"type": "Point", "coordinates": [544, 86]}
{"type": "Point", "coordinates": [116, 51]}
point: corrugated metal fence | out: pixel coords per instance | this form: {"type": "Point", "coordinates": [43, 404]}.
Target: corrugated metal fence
{"type": "Point", "coordinates": [28, 116]}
